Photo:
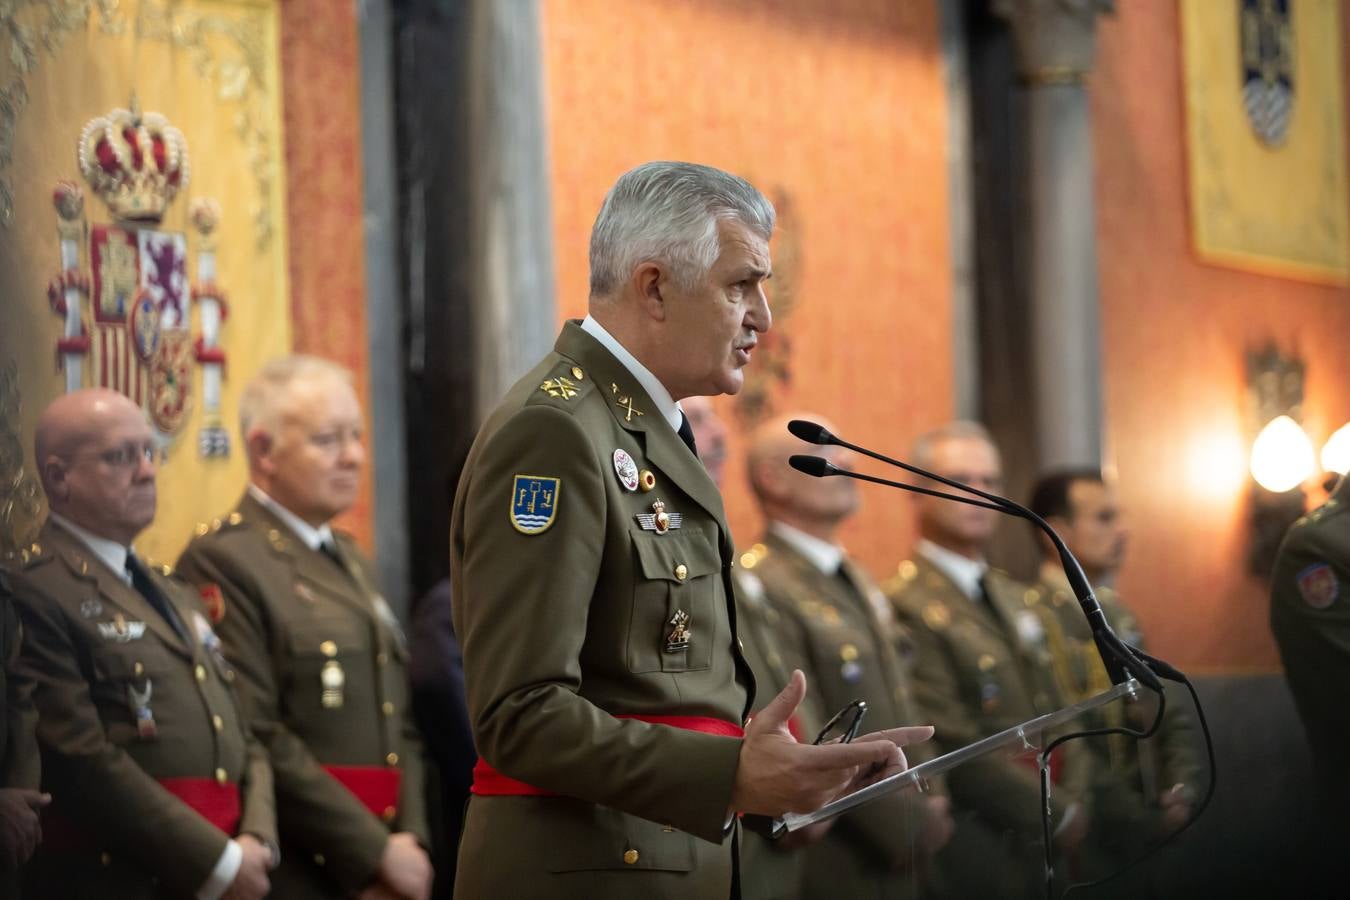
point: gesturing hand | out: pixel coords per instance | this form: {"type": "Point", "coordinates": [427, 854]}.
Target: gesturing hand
{"type": "Point", "coordinates": [777, 775]}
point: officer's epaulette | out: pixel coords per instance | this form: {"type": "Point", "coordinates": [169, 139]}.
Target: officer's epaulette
{"type": "Point", "coordinates": [233, 520]}
{"type": "Point", "coordinates": [563, 387]}
{"type": "Point", "coordinates": [27, 557]}
{"type": "Point", "coordinates": [754, 556]}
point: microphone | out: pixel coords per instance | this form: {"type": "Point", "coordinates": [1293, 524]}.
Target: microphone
{"type": "Point", "coordinates": [1118, 658]}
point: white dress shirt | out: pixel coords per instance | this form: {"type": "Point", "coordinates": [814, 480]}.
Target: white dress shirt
{"type": "Point", "coordinates": [965, 573]}
{"type": "Point", "coordinates": [823, 555]}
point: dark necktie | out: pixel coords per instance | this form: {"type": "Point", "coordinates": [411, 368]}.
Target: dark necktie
{"type": "Point", "coordinates": [145, 586]}
{"type": "Point", "coordinates": [687, 434]}
{"type": "Point", "coordinates": [328, 547]}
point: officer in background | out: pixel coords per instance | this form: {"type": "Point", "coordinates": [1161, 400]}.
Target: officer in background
{"type": "Point", "coordinates": [771, 869]}
{"type": "Point", "coordinates": [320, 654]}
{"type": "Point", "coordinates": [591, 562]}
{"type": "Point", "coordinates": [982, 665]}
{"type": "Point", "coordinates": [837, 626]}
{"type": "Point", "coordinates": [1141, 790]}
{"type": "Point", "coordinates": [20, 766]}
{"type": "Point", "coordinates": [160, 790]}
{"type": "Point", "coordinates": [1310, 616]}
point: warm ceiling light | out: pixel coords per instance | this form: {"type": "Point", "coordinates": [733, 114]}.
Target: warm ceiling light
{"type": "Point", "coordinates": [1282, 455]}
{"type": "Point", "coordinates": [1336, 451]}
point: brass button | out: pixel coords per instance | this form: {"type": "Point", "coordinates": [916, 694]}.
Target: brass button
{"type": "Point", "coordinates": [387, 708]}
{"type": "Point", "coordinates": [229, 675]}
{"type": "Point", "coordinates": [138, 669]}
{"type": "Point", "coordinates": [682, 571]}
{"type": "Point", "coordinates": [222, 776]}
{"type": "Point", "coordinates": [381, 658]}
{"type": "Point", "coordinates": [318, 859]}
{"type": "Point", "coordinates": [986, 662]}
{"type": "Point", "coordinates": [630, 856]}
{"type": "Point", "coordinates": [577, 373]}
{"type": "Point", "coordinates": [848, 653]}
{"type": "Point", "coordinates": [388, 814]}
{"type": "Point", "coordinates": [218, 724]}
{"type": "Point", "coordinates": [328, 649]}
{"type": "Point", "coordinates": [105, 858]}
{"type": "Point", "coordinates": [200, 672]}
{"type": "Point", "coordinates": [392, 759]}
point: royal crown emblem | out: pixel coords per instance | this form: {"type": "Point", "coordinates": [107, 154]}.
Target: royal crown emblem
{"type": "Point", "coordinates": [124, 292]}
{"type": "Point", "coordinates": [135, 162]}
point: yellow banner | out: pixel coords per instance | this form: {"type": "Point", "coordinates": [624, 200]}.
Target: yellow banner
{"type": "Point", "coordinates": [132, 303]}
{"type": "Point", "coordinates": [1266, 149]}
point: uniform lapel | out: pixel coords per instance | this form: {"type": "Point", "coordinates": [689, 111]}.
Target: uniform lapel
{"type": "Point", "coordinates": [660, 443]}
{"type": "Point", "coordinates": [312, 567]}
{"type": "Point", "coordinates": [977, 610]}
{"type": "Point", "coordinates": [86, 566]}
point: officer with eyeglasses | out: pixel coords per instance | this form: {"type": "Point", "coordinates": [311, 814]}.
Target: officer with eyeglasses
{"type": "Point", "coordinates": [159, 789]}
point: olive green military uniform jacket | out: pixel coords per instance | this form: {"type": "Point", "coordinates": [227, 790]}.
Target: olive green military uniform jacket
{"type": "Point", "coordinates": [92, 645]}
{"type": "Point", "coordinates": [573, 616]}
{"type": "Point", "coordinates": [980, 670]}
{"type": "Point", "coordinates": [321, 667]}
{"type": "Point", "coordinates": [20, 765]}
{"type": "Point", "coordinates": [1127, 774]}
{"type": "Point", "coordinates": [770, 869]}
{"type": "Point", "coordinates": [1310, 616]}
{"type": "Point", "coordinates": [841, 634]}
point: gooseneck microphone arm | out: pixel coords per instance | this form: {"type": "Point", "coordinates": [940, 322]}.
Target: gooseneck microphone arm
{"type": "Point", "coordinates": [1118, 658]}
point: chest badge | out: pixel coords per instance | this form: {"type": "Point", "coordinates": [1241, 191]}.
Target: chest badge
{"type": "Point", "coordinates": [120, 631]}
{"type": "Point", "coordinates": [680, 633]}
{"type": "Point", "coordinates": [626, 469]}
{"type": "Point", "coordinates": [659, 520]}
{"type": "Point", "coordinates": [332, 679]}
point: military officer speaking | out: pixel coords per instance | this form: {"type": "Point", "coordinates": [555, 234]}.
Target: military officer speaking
{"type": "Point", "coordinates": [320, 654]}
{"type": "Point", "coordinates": [982, 665]}
{"type": "Point", "coordinates": [591, 564]}
{"type": "Point", "coordinates": [159, 789]}
{"type": "Point", "coordinates": [834, 622]}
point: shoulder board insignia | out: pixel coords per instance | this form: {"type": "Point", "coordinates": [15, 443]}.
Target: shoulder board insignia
{"type": "Point", "coordinates": [937, 616]}
{"type": "Point", "coordinates": [235, 518]}
{"type": "Point", "coordinates": [534, 502]}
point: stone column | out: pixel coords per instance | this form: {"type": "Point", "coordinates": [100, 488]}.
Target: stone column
{"type": "Point", "coordinates": [1055, 46]}
{"type": "Point", "coordinates": [513, 263]}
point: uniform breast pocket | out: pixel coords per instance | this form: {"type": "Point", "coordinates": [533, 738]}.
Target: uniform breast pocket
{"type": "Point", "coordinates": [123, 688]}
{"type": "Point", "coordinates": [323, 655]}
{"type": "Point", "coordinates": [674, 618]}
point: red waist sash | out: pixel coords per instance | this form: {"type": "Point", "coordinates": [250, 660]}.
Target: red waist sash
{"type": "Point", "coordinates": [375, 786]}
{"type": "Point", "coordinates": [488, 782]}
{"type": "Point", "coordinates": [215, 802]}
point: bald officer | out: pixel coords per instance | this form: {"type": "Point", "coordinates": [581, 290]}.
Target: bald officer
{"type": "Point", "coordinates": [320, 655]}
{"type": "Point", "coordinates": [591, 561]}
{"type": "Point", "coordinates": [982, 665]}
{"type": "Point", "coordinates": [159, 789]}
{"type": "Point", "coordinates": [831, 616]}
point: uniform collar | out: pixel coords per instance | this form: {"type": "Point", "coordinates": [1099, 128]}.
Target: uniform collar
{"type": "Point", "coordinates": [311, 537]}
{"type": "Point", "coordinates": [109, 552]}
{"type": "Point", "coordinates": [665, 404]}
{"type": "Point", "coordinates": [963, 571]}
{"type": "Point", "coordinates": [822, 555]}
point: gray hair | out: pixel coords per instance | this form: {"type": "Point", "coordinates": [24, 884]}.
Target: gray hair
{"type": "Point", "coordinates": [668, 212]}
{"type": "Point", "coordinates": [261, 402]}
{"type": "Point", "coordinates": [922, 453]}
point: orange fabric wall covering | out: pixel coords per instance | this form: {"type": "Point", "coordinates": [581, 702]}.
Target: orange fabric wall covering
{"type": "Point", "coordinates": [840, 109]}
{"type": "Point", "coordinates": [321, 104]}
{"type": "Point", "coordinates": [1174, 333]}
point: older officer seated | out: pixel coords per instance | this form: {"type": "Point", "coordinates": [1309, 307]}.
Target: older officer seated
{"type": "Point", "coordinates": [159, 792]}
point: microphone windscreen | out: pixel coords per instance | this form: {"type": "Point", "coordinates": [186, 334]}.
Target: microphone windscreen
{"type": "Point", "coordinates": [811, 465]}
{"type": "Point", "coordinates": [809, 432]}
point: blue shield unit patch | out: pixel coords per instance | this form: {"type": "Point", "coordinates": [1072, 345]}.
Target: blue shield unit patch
{"type": "Point", "coordinates": [534, 502]}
